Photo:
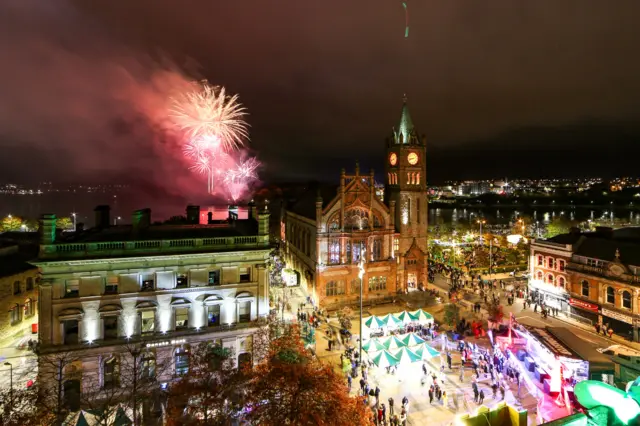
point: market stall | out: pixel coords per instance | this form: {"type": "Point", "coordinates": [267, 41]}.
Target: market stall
{"type": "Point", "coordinates": [401, 322]}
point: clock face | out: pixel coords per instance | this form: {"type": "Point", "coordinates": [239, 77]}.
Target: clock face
{"type": "Point", "coordinates": [413, 158]}
{"type": "Point", "coordinates": [393, 159]}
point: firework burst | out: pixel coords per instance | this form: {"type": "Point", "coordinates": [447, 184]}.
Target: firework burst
{"type": "Point", "coordinates": [208, 113]}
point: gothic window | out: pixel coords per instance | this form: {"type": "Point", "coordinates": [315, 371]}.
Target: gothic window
{"type": "Point", "coordinates": [357, 219]}
{"type": "Point", "coordinates": [418, 179]}
{"type": "Point", "coordinates": [611, 295]}
{"type": "Point", "coordinates": [334, 251]}
{"type": "Point", "coordinates": [409, 179]}
{"type": "Point", "coordinates": [396, 244]}
{"type": "Point", "coordinates": [377, 283]}
{"type": "Point", "coordinates": [626, 300]}
{"type": "Point", "coordinates": [377, 250]}
{"type": "Point", "coordinates": [335, 288]}
{"type": "Point", "coordinates": [356, 249]}
{"type": "Point", "coordinates": [585, 288]}
{"type": "Point", "coordinates": [377, 223]}
{"type": "Point", "coordinates": [334, 224]}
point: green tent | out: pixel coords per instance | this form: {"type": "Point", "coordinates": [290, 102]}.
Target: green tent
{"type": "Point", "coordinates": [412, 339]}
{"type": "Point", "coordinates": [373, 345]}
{"type": "Point", "coordinates": [406, 355]}
{"type": "Point", "coordinates": [373, 322]}
{"type": "Point", "coordinates": [384, 359]}
{"type": "Point", "coordinates": [391, 321]}
{"type": "Point", "coordinates": [405, 317]}
{"type": "Point", "coordinates": [425, 351]}
{"type": "Point", "coordinates": [421, 316]}
{"type": "Point", "coordinates": [393, 342]}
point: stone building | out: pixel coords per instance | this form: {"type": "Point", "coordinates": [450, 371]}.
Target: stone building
{"type": "Point", "coordinates": [160, 288]}
{"type": "Point", "coordinates": [549, 282]}
{"type": "Point", "coordinates": [327, 229]}
{"type": "Point", "coordinates": [602, 276]}
{"type": "Point", "coordinates": [18, 295]}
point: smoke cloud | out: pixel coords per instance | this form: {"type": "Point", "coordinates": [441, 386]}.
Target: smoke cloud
{"type": "Point", "coordinates": [77, 101]}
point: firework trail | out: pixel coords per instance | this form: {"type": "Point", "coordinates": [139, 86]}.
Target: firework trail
{"type": "Point", "coordinates": [214, 129]}
{"type": "Point", "coordinates": [208, 114]}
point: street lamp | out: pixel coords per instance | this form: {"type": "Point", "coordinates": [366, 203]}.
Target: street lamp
{"type": "Point", "coordinates": [361, 277]}
{"type": "Point", "coordinates": [521, 222]}
{"type": "Point", "coordinates": [115, 220]}
{"type": "Point", "coordinates": [10, 383]}
{"type": "Point", "coordinates": [481, 222]}
{"type": "Point", "coordinates": [73, 215]}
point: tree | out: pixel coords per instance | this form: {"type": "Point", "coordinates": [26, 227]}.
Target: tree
{"type": "Point", "coordinates": [559, 225]}
{"type": "Point", "coordinates": [211, 392]}
{"type": "Point", "coordinates": [275, 265]}
{"type": "Point", "coordinates": [59, 378]}
{"type": "Point", "coordinates": [451, 314]}
{"type": "Point", "coordinates": [21, 407]}
{"type": "Point", "coordinates": [32, 225]}
{"type": "Point", "coordinates": [11, 223]}
{"type": "Point", "coordinates": [344, 317]}
{"type": "Point", "coordinates": [291, 387]}
{"type": "Point", "coordinates": [64, 223]}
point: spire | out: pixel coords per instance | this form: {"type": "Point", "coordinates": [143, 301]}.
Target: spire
{"type": "Point", "coordinates": [405, 129]}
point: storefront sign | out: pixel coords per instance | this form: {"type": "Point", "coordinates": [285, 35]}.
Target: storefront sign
{"type": "Point", "coordinates": [617, 316]}
{"type": "Point", "coordinates": [584, 305]}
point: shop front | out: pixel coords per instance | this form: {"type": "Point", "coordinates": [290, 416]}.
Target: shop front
{"type": "Point", "coordinates": [621, 324]}
{"type": "Point", "coordinates": [549, 295]}
{"type": "Point", "coordinates": [583, 311]}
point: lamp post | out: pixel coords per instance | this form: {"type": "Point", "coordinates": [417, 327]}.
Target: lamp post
{"type": "Point", "coordinates": [10, 384]}
{"type": "Point", "coordinates": [481, 222]}
{"type": "Point", "coordinates": [73, 215]}
{"type": "Point", "coordinates": [361, 277]}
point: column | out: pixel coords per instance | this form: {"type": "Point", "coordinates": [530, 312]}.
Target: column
{"type": "Point", "coordinates": [262, 307]}
{"type": "Point", "coordinates": [45, 316]}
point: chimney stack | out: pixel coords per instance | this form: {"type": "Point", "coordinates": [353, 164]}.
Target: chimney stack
{"type": "Point", "coordinates": [141, 219]}
{"type": "Point", "coordinates": [253, 210]}
{"type": "Point", "coordinates": [193, 214]}
{"type": "Point", "coordinates": [47, 229]}
{"type": "Point", "coordinates": [210, 218]}
{"type": "Point", "coordinates": [102, 216]}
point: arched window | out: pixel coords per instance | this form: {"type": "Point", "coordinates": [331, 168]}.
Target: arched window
{"type": "Point", "coordinates": [356, 219]}
{"type": "Point", "coordinates": [611, 295]}
{"type": "Point", "coordinates": [551, 263]}
{"type": "Point", "coordinates": [626, 300]}
{"type": "Point", "coordinates": [334, 251]}
{"type": "Point", "coordinates": [540, 260]}
{"type": "Point", "coordinates": [539, 275]}
{"type": "Point", "coordinates": [561, 282]}
{"type": "Point", "coordinates": [585, 288]}
{"type": "Point", "coordinates": [418, 179]}
{"type": "Point", "coordinates": [29, 308]}
{"type": "Point", "coordinates": [550, 279]}
{"type": "Point", "coordinates": [111, 373]}
{"type": "Point", "coordinates": [561, 264]}
{"type": "Point", "coordinates": [29, 284]}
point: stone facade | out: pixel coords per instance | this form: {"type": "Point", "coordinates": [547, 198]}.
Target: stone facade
{"type": "Point", "coordinates": [160, 293]}
{"type": "Point", "coordinates": [18, 295]}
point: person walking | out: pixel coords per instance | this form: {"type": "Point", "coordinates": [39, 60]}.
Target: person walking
{"type": "Point", "coordinates": [431, 395]}
{"type": "Point", "coordinates": [481, 397]}
{"type": "Point", "coordinates": [391, 413]}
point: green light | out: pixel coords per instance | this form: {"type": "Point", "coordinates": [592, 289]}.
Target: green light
{"type": "Point", "coordinates": [591, 394]}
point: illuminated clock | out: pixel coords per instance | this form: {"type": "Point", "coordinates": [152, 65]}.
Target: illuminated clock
{"type": "Point", "coordinates": [393, 159]}
{"type": "Point", "coordinates": [413, 158]}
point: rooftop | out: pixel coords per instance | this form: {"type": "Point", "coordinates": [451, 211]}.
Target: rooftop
{"type": "Point", "coordinates": [604, 243]}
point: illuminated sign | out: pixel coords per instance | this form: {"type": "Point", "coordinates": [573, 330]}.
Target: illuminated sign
{"type": "Point", "coordinates": [584, 305]}
{"type": "Point", "coordinates": [617, 316]}
{"type": "Point", "coordinates": [166, 343]}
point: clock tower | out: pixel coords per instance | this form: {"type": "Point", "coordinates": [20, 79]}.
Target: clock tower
{"type": "Point", "coordinates": [406, 185]}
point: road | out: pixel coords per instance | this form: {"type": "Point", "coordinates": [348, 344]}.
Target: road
{"type": "Point", "coordinates": [530, 318]}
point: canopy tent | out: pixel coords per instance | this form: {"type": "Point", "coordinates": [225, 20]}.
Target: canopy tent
{"type": "Point", "coordinates": [373, 345]}
{"type": "Point", "coordinates": [384, 359]}
{"type": "Point", "coordinates": [412, 339]}
{"type": "Point", "coordinates": [421, 316]}
{"type": "Point", "coordinates": [425, 351]}
{"type": "Point", "coordinates": [117, 417]}
{"type": "Point", "coordinates": [373, 322]}
{"type": "Point", "coordinates": [393, 342]}
{"type": "Point", "coordinates": [391, 321]}
{"type": "Point", "coordinates": [405, 355]}
{"type": "Point", "coordinates": [404, 317]}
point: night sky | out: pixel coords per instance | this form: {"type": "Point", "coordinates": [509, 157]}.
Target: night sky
{"type": "Point", "coordinates": [500, 87]}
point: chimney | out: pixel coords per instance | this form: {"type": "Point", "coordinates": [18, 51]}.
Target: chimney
{"type": "Point", "coordinates": [102, 216]}
{"type": "Point", "coordinates": [47, 229]}
{"type": "Point", "coordinates": [253, 210]}
{"type": "Point", "coordinates": [141, 219]}
{"type": "Point", "coordinates": [193, 214]}
{"type": "Point", "coordinates": [263, 222]}
{"type": "Point", "coordinates": [210, 218]}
